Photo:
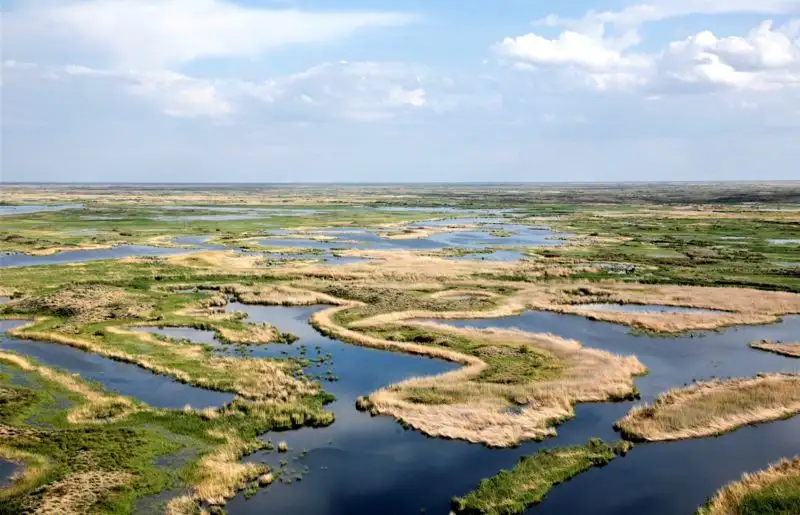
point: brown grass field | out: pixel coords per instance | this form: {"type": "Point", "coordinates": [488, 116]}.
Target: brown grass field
{"type": "Point", "coordinates": [714, 407]}
{"type": "Point", "coordinates": [791, 350]}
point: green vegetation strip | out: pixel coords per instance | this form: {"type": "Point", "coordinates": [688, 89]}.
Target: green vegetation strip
{"type": "Point", "coordinates": [512, 491]}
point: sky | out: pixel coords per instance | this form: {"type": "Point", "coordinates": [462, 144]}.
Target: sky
{"type": "Point", "coordinates": [400, 91]}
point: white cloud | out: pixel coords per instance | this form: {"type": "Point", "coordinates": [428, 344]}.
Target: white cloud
{"type": "Point", "coordinates": [355, 91]}
{"type": "Point", "coordinates": [764, 59]}
{"type": "Point", "coordinates": [602, 63]}
{"type": "Point", "coordinates": [636, 15]}
{"type": "Point", "coordinates": [157, 34]}
{"type": "Point", "coordinates": [569, 48]}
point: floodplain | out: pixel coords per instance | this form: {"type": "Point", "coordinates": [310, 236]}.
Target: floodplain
{"type": "Point", "coordinates": [410, 349]}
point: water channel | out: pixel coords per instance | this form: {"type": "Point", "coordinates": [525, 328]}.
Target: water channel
{"type": "Point", "coordinates": [115, 376]}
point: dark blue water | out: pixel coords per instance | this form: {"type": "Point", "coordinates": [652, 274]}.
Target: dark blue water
{"type": "Point", "coordinates": [673, 478]}
{"type": "Point", "coordinates": [115, 376]}
{"type": "Point", "coordinates": [77, 256]}
{"type": "Point", "coordinates": [367, 460]}
{"type": "Point", "coordinates": [371, 465]}
{"type": "Point", "coordinates": [7, 469]}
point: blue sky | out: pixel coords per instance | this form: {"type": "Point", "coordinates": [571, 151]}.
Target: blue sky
{"type": "Point", "coordinates": [373, 90]}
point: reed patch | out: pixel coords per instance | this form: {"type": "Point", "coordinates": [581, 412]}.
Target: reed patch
{"type": "Point", "coordinates": [791, 350]}
{"type": "Point", "coordinates": [713, 408]}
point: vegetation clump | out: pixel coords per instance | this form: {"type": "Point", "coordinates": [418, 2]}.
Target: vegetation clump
{"type": "Point", "coordinates": [713, 408]}
{"type": "Point", "coordinates": [513, 491]}
{"type": "Point", "coordinates": [88, 303]}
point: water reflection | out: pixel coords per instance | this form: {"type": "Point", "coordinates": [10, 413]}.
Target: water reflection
{"type": "Point", "coordinates": [7, 471]}
{"type": "Point", "coordinates": [124, 378]}
{"type": "Point", "coordinates": [371, 465]}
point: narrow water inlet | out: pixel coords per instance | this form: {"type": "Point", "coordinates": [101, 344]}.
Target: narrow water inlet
{"type": "Point", "coordinates": [124, 378]}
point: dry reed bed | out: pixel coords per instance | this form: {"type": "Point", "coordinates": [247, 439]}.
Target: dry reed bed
{"type": "Point", "coordinates": [49, 251]}
{"type": "Point", "coordinates": [587, 375]}
{"type": "Point", "coordinates": [729, 498]}
{"type": "Point", "coordinates": [791, 350]}
{"type": "Point", "coordinates": [746, 306]}
{"type": "Point", "coordinates": [79, 493]}
{"type": "Point", "coordinates": [278, 295]}
{"type": "Point", "coordinates": [450, 294]}
{"type": "Point", "coordinates": [714, 407]}
{"type": "Point", "coordinates": [591, 375]}
{"type": "Point", "coordinates": [221, 474]}
{"type": "Point", "coordinates": [737, 306]}
{"type": "Point", "coordinates": [745, 300]}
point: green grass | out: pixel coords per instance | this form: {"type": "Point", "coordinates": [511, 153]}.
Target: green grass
{"type": "Point", "coordinates": [135, 445]}
{"type": "Point", "coordinates": [118, 224]}
{"type": "Point", "coordinates": [781, 497]}
{"type": "Point", "coordinates": [513, 491]}
{"type": "Point", "coordinates": [688, 251]}
{"type": "Point", "coordinates": [506, 364]}
{"type": "Point", "coordinates": [433, 396]}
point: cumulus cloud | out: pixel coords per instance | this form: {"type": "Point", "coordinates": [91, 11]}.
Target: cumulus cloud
{"type": "Point", "coordinates": [601, 50]}
{"type": "Point", "coordinates": [158, 34]}
{"type": "Point", "coordinates": [765, 59]}
{"type": "Point", "coordinates": [569, 48]}
{"type": "Point", "coordinates": [601, 62]}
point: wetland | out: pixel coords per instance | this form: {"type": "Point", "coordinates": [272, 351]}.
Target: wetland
{"type": "Point", "coordinates": [482, 351]}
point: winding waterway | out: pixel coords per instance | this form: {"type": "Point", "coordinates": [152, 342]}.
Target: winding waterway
{"type": "Point", "coordinates": [364, 464]}
{"type": "Point", "coordinates": [371, 465]}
